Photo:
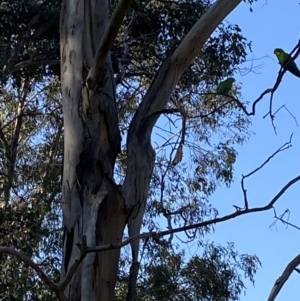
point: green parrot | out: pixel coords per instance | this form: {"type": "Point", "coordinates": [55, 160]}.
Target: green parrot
{"type": "Point", "coordinates": [225, 86]}
{"type": "Point", "coordinates": [135, 5]}
{"type": "Point", "coordinates": [283, 57]}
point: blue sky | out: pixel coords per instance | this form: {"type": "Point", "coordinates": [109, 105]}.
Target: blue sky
{"type": "Point", "coordinates": [272, 24]}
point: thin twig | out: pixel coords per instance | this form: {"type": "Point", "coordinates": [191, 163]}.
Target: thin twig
{"type": "Point", "coordinates": [285, 146]}
{"type": "Point", "coordinates": [281, 218]}
{"type": "Point", "coordinates": [244, 190]}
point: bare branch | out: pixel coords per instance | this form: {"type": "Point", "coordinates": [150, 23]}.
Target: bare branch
{"type": "Point", "coordinates": [285, 146]}
{"type": "Point", "coordinates": [270, 90]}
{"type": "Point", "coordinates": [258, 100]}
{"type": "Point", "coordinates": [280, 149]}
{"type": "Point", "coordinates": [284, 277]}
{"type": "Point", "coordinates": [179, 151]}
{"type": "Point", "coordinates": [157, 235]}
{"type": "Point", "coordinates": [280, 76]}
{"type": "Point", "coordinates": [284, 221]}
{"type": "Point", "coordinates": [284, 107]}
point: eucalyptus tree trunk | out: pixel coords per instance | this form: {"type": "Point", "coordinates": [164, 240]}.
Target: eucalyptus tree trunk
{"type": "Point", "coordinates": [93, 205]}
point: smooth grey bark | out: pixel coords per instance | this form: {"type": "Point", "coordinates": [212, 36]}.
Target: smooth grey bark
{"type": "Point", "coordinates": [279, 283]}
{"type": "Point", "coordinates": [93, 205]}
{"type": "Point", "coordinates": [140, 156]}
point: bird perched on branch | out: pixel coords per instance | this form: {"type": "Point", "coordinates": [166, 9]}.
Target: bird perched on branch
{"type": "Point", "coordinates": [286, 61]}
{"type": "Point", "coordinates": [225, 86]}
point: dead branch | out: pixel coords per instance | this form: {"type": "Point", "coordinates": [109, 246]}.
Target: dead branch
{"type": "Point", "coordinates": [283, 220]}
{"type": "Point", "coordinates": [157, 235]}
{"type": "Point", "coordinates": [284, 147]}
{"type": "Point", "coordinates": [284, 277]}
{"type": "Point", "coordinates": [289, 112]}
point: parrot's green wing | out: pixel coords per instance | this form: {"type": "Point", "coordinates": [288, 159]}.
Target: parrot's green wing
{"type": "Point", "coordinates": [135, 5]}
{"type": "Point", "coordinates": [225, 86]}
{"type": "Point", "coordinates": [284, 58]}
{"type": "Point", "coordinates": [222, 88]}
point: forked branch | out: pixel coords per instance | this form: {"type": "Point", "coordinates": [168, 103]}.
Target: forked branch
{"type": "Point", "coordinates": [107, 42]}
{"type": "Point", "coordinates": [284, 147]}
{"type": "Point", "coordinates": [157, 236]}
{"type": "Point", "coordinates": [294, 54]}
